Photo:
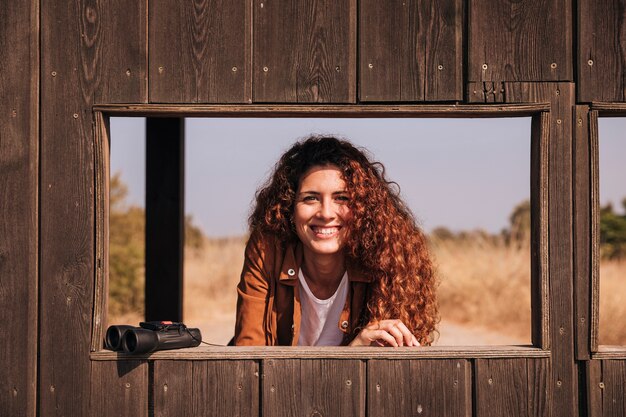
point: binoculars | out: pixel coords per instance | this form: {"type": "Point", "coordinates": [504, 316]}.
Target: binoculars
{"type": "Point", "coordinates": [151, 336]}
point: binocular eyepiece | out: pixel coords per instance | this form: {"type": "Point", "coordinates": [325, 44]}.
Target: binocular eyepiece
{"type": "Point", "coordinates": [151, 336]}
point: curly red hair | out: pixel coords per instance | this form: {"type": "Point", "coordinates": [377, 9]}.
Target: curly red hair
{"type": "Point", "coordinates": [384, 238]}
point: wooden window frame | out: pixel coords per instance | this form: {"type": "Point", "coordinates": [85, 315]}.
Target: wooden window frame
{"type": "Point", "coordinates": [595, 111]}
{"type": "Point", "coordinates": [540, 119]}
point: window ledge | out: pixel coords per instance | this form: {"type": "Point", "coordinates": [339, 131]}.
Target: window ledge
{"type": "Point", "coordinates": [610, 352]}
{"type": "Point", "coordinates": [343, 352]}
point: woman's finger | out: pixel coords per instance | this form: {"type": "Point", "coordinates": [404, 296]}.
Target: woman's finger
{"type": "Point", "coordinates": [378, 335]}
{"type": "Point", "coordinates": [401, 332]}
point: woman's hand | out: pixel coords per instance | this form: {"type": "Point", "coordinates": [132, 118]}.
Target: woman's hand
{"type": "Point", "coordinates": [385, 333]}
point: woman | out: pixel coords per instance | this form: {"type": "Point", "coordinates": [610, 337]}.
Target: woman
{"type": "Point", "coordinates": [334, 256]}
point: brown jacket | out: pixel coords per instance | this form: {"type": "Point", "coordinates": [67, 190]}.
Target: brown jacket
{"type": "Point", "coordinates": [268, 302]}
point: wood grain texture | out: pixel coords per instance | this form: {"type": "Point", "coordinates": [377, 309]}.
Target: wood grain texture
{"type": "Point", "coordinates": [513, 40]}
{"type": "Point", "coordinates": [206, 388]}
{"type": "Point", "coordinates": [582, 233]}
{"type": "Point", "coordinates": [539, 244]}
{"type": "Point", "coordinates": [19, 172]}
{"type": "Point", "coordinates": [119, 389]}
{"type": "Point", "coordinates": [165, 218]}
{"type": "Point", "coordinates": [594, 387]}
{"type": "Point", "coordinates": [118, 33]}
{"type": "Point", "coordinates": [304, 51]}
{"type": "Point", "coordinates": [323, 387]}
{"type": "Point", "coordinates": [200, 51]}
{"type": "Point", "coordinates": [601, 50]}
{"type": "Point", "coordinates": [410, 50]}
{"type": "Point", "coordinates": [614, 381]}
{"type": "Point", "coordinates": [594, 156]}
{"type": "Point", "coordinates": [564, 401]}
{"type": "Point", "coordinates": [102, 174]}
{"type": "Point", "coordinates": [511, 387]}
{"type": "Point", "coordinates": [419, 387]}
{"type": "Point", "coordinates": [324, 110]}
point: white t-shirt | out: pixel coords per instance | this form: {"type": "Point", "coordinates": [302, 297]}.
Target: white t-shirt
{"type": "Point", "coordinates": [320, 318]}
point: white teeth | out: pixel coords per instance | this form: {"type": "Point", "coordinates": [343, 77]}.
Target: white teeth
{"type": "Point", "coordinates": [325, 230]}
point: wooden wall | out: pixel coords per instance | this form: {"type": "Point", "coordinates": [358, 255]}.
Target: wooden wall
{"type": "Point", "coordinates": [59, 58]}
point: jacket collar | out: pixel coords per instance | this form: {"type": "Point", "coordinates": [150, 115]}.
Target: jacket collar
{"type": "Point", "coordinates": [294, 257]}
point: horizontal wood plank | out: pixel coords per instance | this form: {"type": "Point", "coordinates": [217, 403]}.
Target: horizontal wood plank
{"type": "Point", "coordinates": [348, 111]}
{"type": "Point", "coordinates": [303, 352]}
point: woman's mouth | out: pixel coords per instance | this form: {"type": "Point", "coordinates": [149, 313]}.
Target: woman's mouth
{"type": "Point", "coordinates": [325, 231]}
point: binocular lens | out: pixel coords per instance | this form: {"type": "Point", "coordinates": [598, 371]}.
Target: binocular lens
{"type": "Point", "coordinates": [114, 336]}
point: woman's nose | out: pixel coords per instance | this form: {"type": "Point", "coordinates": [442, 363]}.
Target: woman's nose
{"type": "Point", "coordinates": [327, 210]}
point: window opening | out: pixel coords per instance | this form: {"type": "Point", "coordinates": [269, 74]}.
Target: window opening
{"type": "Point", "coordinates": [466, 180]}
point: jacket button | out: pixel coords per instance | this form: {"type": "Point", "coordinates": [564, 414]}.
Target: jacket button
{"type": "Point", "coordinates": [291, 272]}
{"type": "Point", "coordinates": [344, 324]}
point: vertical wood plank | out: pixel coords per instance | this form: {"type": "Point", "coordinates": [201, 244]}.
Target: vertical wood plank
{"type": "Point", "coordinates": [582, 233]}
{"type": "Point", "coordinates": [200, 51]}
{"type": "Point", "coordinates": [564, 376]}
{"type": "Point", "coordinates": [165, 216]}
{"type": "Point", "coordinates": [512, 40]}
{"type": "Point", "coordinates": [539, 244]}
{"type": "Point", "coordinates": [511, 387]}
{"type": "Point", "coordinates": [119, 388]}
{"type": "Point", "coordinates": [122, 55]}
{"type": "Point", "coordinates": [70, 45]}
{"type": "Point", "coordinates": [595, 387]}
{"type": "Point", "coordinates": [595, 227]}
{"type": "Point", "coordinates": [410, 50]}
{"type": "Point", "coordinates": [614, 381]}
{"type": "Point", "coordinates": [206, 388]}
{"type": "Point", "coordinates": [401, 388]}
{"type": "Point", "coordinates": [223, 388]}
{"type": "Point", "coordinates": [601, 50]}
{"type": "Point", "coordinates": [304, 51]}
{"type": "Point", "coordinates": [19, 172]}
{"type": "Point", "coordinates": [297, 387]}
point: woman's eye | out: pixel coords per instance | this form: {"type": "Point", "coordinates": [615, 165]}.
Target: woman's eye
{"type": "Point", "coordinates": [309, 198]}
{"type": "Point", "coordinates": [343, 198]}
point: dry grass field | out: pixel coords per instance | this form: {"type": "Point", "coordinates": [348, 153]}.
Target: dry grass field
{"type": "Point", "coordinates": [484, 291]}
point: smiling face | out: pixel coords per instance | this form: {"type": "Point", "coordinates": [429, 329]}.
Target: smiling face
{"type": "Point", "coordinates": [321, 214]}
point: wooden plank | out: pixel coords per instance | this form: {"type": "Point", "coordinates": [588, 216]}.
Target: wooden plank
{"type": "Point", "coordinates": [119, 40]}
{"type": "Point", "coordinates": [511, 40]}
{"type": "Point", "coordinates": [601, 66]}
{"type": "Point", "coordinates": [321, 110]}
{"type": "Point", "coordinates": [200, 51]}
{"type": "Point", "coordinates": [511, 387]}
{"type": "Point", "coordinates": [595, 227]}
{"type": "Point", "coordinates": [340, 352]}
{"type": "Point", "coordinates": [582, 233]}
{"type": "Point", "coordinates": [324, 387]}
{"type": "Point", "coordinates": [539, 283]}
{"type": "Point", "coordinates": [70, 44]}
{"type": "Point", "coordinates": [485, 92]}
{"type": "Point", "coordinates": [304, 51]}
{"type": "Point", "coordinates": [165, 215]}
{"type": "Point", "coordinates": [595, 387]}
{"type": "Point", "coordinates": [410, 50]}
{"type": "Point", "coordinates": [119, 389]}
{"type": "Point", "coordinates": [19, 187]}
{"type": "Point", "coordinates": [206, 388]}
{"type": "Point", "coordinates": [560, 224]}
{"type": "Point", "coordinates": [102, 175]}
{"type": "Point", "coordinates": [400, 388]}
{"type": "Point", "coordinates": [222, 388]}
{"type": "Point", "coordinates": [614, 381]}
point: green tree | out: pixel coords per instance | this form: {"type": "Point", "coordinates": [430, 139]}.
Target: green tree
{"type": "Point", "coordinates": [612, 232]}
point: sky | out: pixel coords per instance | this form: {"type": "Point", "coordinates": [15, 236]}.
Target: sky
{"type": "Point", "coordinates": [463, 174]}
